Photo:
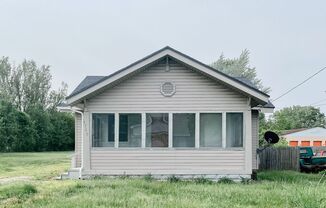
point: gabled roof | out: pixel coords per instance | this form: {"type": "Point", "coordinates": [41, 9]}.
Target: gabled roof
{"type": "Point", "coordinates": [94, 83]}
{"type": "Point", "coordinates": [86, 83]}
{"type": "Point", "coordinates": [313, 132]}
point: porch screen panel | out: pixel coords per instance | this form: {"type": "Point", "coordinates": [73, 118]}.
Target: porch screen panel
{"type": "Point", "coordinates": [184, 130]}
{"type": "Point", "coordinates": [130, 130]}
{"type": "Point", "coordinates": [234, 130]}
{"type": "Point", "coordinates": [211, 130]}
{"type": "Point", "coordinates": [103, 130]}
{"type": "Point", "coordinates": [157, 130]}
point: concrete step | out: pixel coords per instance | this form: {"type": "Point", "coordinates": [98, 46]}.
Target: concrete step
{"type": "Point", "coordinates": [71, 174]}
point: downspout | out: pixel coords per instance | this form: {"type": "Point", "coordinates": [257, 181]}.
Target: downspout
{"type": "Point", "coordinates": [82, 142]}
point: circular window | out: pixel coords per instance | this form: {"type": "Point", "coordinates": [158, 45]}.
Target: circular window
{"type": "Point", "coordinates": [167, 89]}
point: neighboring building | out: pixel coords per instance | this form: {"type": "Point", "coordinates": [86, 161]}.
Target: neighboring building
{"type": "Point", "coordinates": [166, 114]}
{"type": "Point", "coordinates": [307, 137]}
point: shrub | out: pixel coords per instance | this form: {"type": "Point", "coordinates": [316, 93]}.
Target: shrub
{"type": "Point", "coordinates": [225, 180]}
{"type": "Point", "coordinates": [148, 177]}
{"type": "Point", "coordinates": [173, 179]}
{"type": "Point", "coordinates": [203, 180]}
{"type": "Point", "coordinates": [246, 180]}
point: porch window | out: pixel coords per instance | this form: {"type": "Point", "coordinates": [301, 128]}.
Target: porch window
{"type": "Point", "coordinates": [234, 130]}
{"type": "Point", "coordinates": [184, 130]}
{"type": "Point", "coordinates": [129, 130]}
{"type": "Point", "coordinates": [157, 129]}
{"type": "Point", "coordinates": [210, 130]}
{"type": "Point", "coordinates": [103, 130]}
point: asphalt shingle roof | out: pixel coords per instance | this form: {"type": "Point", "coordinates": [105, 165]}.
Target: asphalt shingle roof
{"type": "Point", "coordinates": [87, 82]}
{"type": "Point", "coordinates": [90, 81]}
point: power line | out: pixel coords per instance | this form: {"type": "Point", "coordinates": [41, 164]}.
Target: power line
{"type": "Point", "coordinates": [320, 105]}
{"type": "Point", "coordinates": [318, 102]}
{"type": "Point", "coordinates": [301, 83]}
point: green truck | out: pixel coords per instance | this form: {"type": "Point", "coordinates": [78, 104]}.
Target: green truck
{"type": "Point", "coordinates": [310, 162]}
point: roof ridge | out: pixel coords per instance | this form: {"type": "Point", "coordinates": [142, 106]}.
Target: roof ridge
{"type": "Point", "coordinates": [81, 88]}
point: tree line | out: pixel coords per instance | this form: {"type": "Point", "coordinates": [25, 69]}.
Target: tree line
{"type": "Point", "coordinates": [29, 120]}
{"type": "Point", "coordinates": [294, 117]}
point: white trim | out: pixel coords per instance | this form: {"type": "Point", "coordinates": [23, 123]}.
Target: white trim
{"type": "Point", "coordinates": [264, 110]}
{"type": "Point", "coordinates": [143, 130]}
{"type": "Point", "coordinates": [197, 130]}
{"type": "Point", "coordinates": [170, 132]}
{"type": "Point", "coordinates": [116, 130]}
{"type": "Point", "coordinates": [179, 57]}
{"type": "Point", "coordinates": [224, 130]}
{"type": "Point", "coordinates": [248, 141]}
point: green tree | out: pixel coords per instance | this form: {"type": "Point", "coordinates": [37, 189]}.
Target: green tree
{"type": "Point", "coordinates": [239, 67]}
{"type": "Point", "coordinates": [24, 138]}
{"type": "Point", "coordinates": [294, 117]}
{"type": "Point", "coordinates": [298, 117]}
{"type": "Point", "coordinates": [7, 128]}
{"type": "Point", "coordinates": [29, 120]}
{"type": "Point", "coordinates": [61, 133]}
{"type": "Point", "coordinates": [16, 129]}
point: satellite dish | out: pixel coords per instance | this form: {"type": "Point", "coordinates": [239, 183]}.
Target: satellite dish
{"type": "Point", "coordinates": [271, 137]}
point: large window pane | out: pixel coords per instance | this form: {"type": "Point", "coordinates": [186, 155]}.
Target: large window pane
{"type": "Point", "coordinates": [103, 130]}
{"type": "Point", "coordinates": [130, 130]}
{"type": "Point", "coordinates": [211, 130]}
{"type": "Point", "coordinates": [157, 128]}
{"type": "Point", "coordinates": [184, 130]}
{"type": "Point", "coordinates": [234, 130]}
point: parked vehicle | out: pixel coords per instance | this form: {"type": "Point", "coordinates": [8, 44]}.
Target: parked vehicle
{"type": "Point", "coordinates": [310, 162]}
{"type": "Point", "coordinates": [321, 153]}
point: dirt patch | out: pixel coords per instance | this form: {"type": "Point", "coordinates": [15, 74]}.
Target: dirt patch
{"type": "Point", "coordinates": [14, 179]}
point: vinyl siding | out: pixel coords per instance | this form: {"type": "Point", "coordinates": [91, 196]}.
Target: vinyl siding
{"type": "Point", "coordinates": [194, 92]}
{"type": "Point", "coordinates": [141, 93]}
{"type": "Point", "coordinates": [78, 139]}
{"type": "Point", "coordinates": [255, 137]}
{"type": "Point", "coordinates": [167, 161]}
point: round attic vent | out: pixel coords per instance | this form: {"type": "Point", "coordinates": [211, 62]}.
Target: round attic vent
{"type": "Point", "coordinates": [167, 89]}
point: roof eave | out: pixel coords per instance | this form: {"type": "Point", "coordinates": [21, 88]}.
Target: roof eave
{"type": "Point", "coordinates": [167, 51]}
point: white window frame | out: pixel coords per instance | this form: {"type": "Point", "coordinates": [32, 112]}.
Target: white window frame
{"type": "Point", "coordinates": [170, 141]}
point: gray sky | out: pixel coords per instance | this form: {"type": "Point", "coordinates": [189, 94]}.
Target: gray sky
{"type": "Point", "coordinates": [287, 39]}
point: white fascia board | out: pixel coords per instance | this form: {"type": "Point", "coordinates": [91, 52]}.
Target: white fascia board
{"type": "Point", "coordinates": [179, 57]}
{"type": "Point", "coordinates": [224, 79]}
{"type": "Point", "coordinates": [64, 109]}
{"type": "Point", "coordinates": [117, 76]}
{"type": "Point", "coordinates": [264, 110]}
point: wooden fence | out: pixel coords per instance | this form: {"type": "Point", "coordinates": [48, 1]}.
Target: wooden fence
{"type": "Point", "coordinates": [282, 158]}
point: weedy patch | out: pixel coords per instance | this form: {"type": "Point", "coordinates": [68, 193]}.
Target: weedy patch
{"type": "Point", "coordinates": [148, 177]}
{"type": "Point", "coordinates": [18, 191]}
{"type": "Point", "coordinates": [202, 180]}
{"type": "Point", "coordinates": [173, 179]}
{"type": "Point", "coordinates": [225, 180]}
{"type": "Point", "coordinates": [246, 180]}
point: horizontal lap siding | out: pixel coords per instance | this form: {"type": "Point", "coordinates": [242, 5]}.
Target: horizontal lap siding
{"type": "Point", "coordinates": [78, 139]}
{"type": "Point", "coordinates": [255, 137]}
{"type": "Point", "coordinates": [167, 161]}
{"type": "Point", "coordinates": [141, 93]}
{"type": "Point", "coordinates": [194, 92]}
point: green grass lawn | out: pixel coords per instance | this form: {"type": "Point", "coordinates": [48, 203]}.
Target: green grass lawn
{"type": "Point", "coordinates": [273, 189]}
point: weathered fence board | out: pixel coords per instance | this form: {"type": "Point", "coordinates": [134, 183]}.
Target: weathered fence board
{"type": "Point", "coordinates": [282, 158]}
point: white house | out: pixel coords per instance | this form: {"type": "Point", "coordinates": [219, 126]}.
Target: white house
{"type": "Point", "coordinates": [166, 114]}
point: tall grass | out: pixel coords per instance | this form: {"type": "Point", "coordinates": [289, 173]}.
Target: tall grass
{"type": "Point", "coordinates": [272, 189]}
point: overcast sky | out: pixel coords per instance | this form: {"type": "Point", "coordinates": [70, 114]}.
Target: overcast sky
{"type": "Point", "coordinates": [286, 39]}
